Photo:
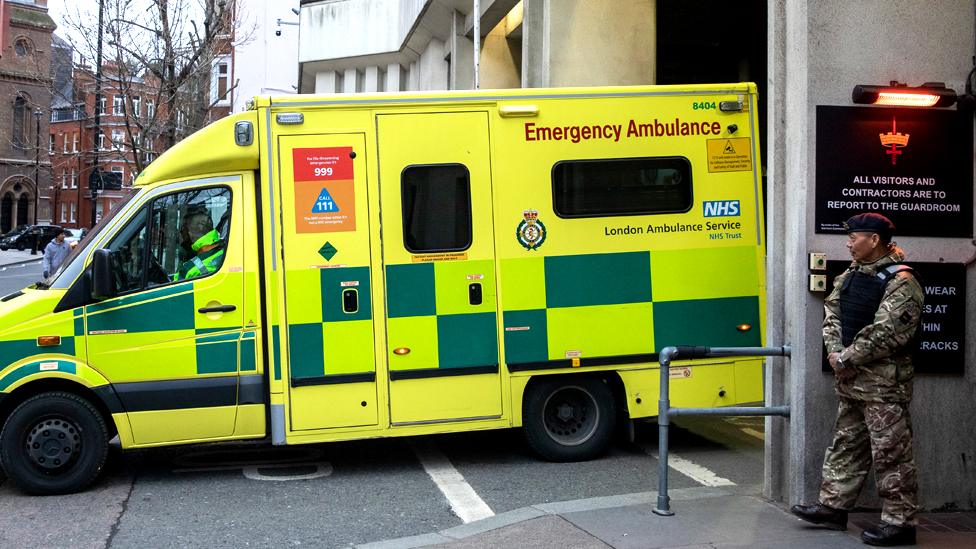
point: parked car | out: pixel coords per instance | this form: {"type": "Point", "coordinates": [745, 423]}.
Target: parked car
{"type": "Point", "coordinates": [22, 238]}
{"type": "Point", "coordinates": [74, 236]}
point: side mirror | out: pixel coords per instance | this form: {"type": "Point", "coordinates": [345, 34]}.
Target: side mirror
{"type": "Point", "coordinates": [103, 283]}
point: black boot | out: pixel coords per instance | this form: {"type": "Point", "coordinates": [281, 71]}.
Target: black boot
{"type": "Point", "coordinates": [887, 535]}
{"type": "Point", "coordinates": [818, 513]}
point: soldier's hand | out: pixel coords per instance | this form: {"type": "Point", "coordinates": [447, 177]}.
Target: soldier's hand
{"type": "Point", "coordinates": [840, 373]}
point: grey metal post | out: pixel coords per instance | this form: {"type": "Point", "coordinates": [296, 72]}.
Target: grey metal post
{"type": "Point", "coordinates": [663, 422]}
{"type": "Point", "coordinates": [665, 411]}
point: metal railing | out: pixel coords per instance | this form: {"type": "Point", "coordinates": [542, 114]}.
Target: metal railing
{"type": "Point", "coordinates": [666, 412]}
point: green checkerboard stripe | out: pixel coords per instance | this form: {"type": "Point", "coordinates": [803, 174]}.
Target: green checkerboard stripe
{"type": "Point", "coordinates": [597, 279]}
{"type": "Point", "coordinates": [330, 283]}
{"type": "Point", "coordinates": [466, 340]}
{"type": "Point", "coordinates": [603, 304]}
{"type": "Point", "coordinates": [19, 349]}
{"type": "Point", "coordinates": [410, 290]}
{"type": "Point", "coordinates": [175, 312]}
{"type": "Point", "coordinates": [709, 322]}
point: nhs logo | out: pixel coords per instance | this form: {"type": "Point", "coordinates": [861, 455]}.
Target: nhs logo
{"type": "Point", "coordinates": [722, 208]}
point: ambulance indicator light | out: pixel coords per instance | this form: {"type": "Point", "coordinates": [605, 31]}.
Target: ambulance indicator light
{"type": "Point", "coordinates": [48, 341]}
{"type": "Point", "coordinates": [290, 118]}
{"type": "Point", "coordinates": [744, 327]}
{"type": "Point", "coordinates": [929, 94]}
{"type": "Point", "coordinates": [400, 351]}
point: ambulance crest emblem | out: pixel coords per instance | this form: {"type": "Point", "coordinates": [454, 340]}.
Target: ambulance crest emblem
{"type": "Point", "coordinates": [531, 233]}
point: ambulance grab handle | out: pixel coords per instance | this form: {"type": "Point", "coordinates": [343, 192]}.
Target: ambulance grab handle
{"type": "Point", "coordinates": [217, 309]}
{"type": "Point", "coordinates": [474, 293]}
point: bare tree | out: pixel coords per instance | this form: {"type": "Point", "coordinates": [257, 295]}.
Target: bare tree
{"type": "Point", "coordinates": [161, 56]}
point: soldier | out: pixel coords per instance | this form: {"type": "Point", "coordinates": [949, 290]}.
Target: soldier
{"type": "Point", "coordinates": [872, 316]}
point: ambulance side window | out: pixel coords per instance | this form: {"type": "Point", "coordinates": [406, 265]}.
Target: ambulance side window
{"type": "Point", "coordinates": [436, 201]}
{"type": "Point", "coordinates": [127, 250]}
{"type": "Point", "coordinates": [188, 234]}
{"type": "Point", "coordinates": [628, 186]}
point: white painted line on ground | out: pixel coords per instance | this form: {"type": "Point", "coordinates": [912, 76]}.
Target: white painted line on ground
{"type": "Point", "coordinates": [752, 432]}
{"type": "Point", "coordinates": [464, 501]}
{"type": "Point", "coordinates": [692, 470]}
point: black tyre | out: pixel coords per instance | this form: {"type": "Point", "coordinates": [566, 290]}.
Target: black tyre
{"type": "Point", "coordinates": [53, 443]}
{"type": "Point", "coordinates": [568, 418]}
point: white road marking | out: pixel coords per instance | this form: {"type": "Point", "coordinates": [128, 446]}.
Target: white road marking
{"type": "Point", "coordinates": [752, 432]}
{"type": "Point", "coordinates": [692, 470]}
{"type": "Point", "coordinates": [464, 501]}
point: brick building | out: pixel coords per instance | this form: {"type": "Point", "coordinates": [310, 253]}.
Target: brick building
{"type": "Point", "coordinates": [134, 125]}
{"type": "Point", "coordinates": [25, 86]}
{"type": "Point", "coordinates": [77, 148]}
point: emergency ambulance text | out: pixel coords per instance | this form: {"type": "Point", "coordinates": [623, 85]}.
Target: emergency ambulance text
{"type": "Point", "coordinates": [655, 128]}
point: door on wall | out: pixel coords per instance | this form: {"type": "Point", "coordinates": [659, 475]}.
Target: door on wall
{"type": "Point", "coordinates": [439, 267]}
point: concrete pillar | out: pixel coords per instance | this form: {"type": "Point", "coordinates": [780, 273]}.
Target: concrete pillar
{"type": "Point", "coordinates": [413, 76]}
{"type": "Point", "coordinates": [602, 43]}
{"type": "Point", "coordinates": [432, 68]}
{"type": "Point", "coordinates": [371, 79]}
{"type": "Point", "coordinates": [775, 486]}
{"type": "Point", "coordinates": [461, 49]}
{"type": "Point", "coordinates": [395, 78]}
{"type": "Point", "coordinates": [327, 82]}
{"type": "Point", "coordinates": [535, 43]}
{"type": "Point", "coordinates": [352, 81]}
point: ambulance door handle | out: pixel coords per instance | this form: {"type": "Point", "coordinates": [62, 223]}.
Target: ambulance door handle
{"type": "Point", "coordinates": [217, 309]}
{"type": "Point", "coordinates": [474, 293]}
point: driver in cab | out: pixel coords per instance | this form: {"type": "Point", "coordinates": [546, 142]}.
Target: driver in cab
{"type": "Point", "coordinates": [204, 241]}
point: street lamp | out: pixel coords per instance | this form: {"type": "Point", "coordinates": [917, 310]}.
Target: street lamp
{"type": "Point", "coordinates": [37, 170]}
{"type": "Point", "coordinates": [37, 158]}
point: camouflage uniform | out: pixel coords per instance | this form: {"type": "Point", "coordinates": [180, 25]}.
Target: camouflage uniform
{"type": "Point", "coordinates": [873, 422]}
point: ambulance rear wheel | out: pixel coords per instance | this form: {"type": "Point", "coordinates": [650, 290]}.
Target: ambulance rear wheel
{"type": "Point", "coordinates": [569, 419]}
{"type": "Point", "coordinates": [53, 443]}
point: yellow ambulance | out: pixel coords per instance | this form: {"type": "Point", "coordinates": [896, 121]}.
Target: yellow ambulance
{"type": "Point", "coordinates": [325, 268]}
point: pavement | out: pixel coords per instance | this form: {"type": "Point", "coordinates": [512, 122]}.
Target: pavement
{"type": "Point", "coordinates": [705, 517]}
{"type": "Point", "coordinates": [11, 258]}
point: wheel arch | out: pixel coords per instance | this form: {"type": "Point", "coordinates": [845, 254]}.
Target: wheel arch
{"type": "Point", "coordinates": [84, 382]}
{"type": "Point", "coordinates": [610, 377]}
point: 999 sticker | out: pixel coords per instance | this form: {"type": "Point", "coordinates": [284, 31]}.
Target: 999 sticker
{"type": "Point", "coordinates": [325, 195]}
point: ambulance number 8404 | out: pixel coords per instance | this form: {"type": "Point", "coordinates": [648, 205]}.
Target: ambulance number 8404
{"type": "Point", "coordinates": [703, 105]}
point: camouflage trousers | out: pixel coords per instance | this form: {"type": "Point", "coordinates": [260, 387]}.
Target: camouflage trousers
{"type": "Point", "coordinates": [878, 431]}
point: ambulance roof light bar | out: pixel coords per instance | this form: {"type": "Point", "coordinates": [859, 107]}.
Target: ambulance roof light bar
{"type": "Point", "coordinates": [929, 94]}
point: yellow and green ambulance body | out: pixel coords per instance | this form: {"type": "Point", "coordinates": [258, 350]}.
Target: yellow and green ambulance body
{"type": "Point", "coordinates": [401, 264]}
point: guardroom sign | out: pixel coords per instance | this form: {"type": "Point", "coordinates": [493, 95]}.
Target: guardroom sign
{"type": "Point", "coordinates": [914, 166]}
{"type": "Point", "coordinates": [325, 193]}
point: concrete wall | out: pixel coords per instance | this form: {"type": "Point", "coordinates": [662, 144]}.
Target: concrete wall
{"type": "Point", "coordinates": [501, 59]}
{"type": "Point", "coordinates": [265, 64]}
{"type": "Point", "coordinates": [601, 43]}
{"type": "Point", "coordinates": [818, 51]}
{"type": "Point", "coordinates": [351, 28]}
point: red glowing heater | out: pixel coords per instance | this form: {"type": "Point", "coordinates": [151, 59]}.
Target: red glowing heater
{"type": "Point", "coordinates": [929, 94]}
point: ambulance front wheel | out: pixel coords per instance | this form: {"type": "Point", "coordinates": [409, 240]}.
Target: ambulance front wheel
{"type": "Point", "coordinates": [569, 419]}
{"type": "Point", "coordinates": [53, 443]}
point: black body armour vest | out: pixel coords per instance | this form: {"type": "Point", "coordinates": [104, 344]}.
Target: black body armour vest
{"type": "Point", "coordinates": [860, 298]}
